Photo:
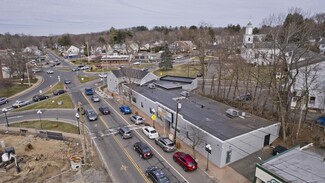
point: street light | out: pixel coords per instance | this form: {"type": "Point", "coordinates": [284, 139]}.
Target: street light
{"type": "Point", "coordinates": [208, 149]}
{"type": "Point", "coordinates": [179, 106]}
{"type": "Point", "coordinates": [5, 110]}
{"type": "Point", "coordinates": [77, 116]}
{"type": "Point", "coordinates": [39, 112]}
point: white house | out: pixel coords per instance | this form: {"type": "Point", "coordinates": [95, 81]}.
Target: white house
{"type": "Point", "coordinates": [73, 51]}
{"type": "Point", "coordinates": [127, 75]}
{"type": "Point", "coordinates": [311, 78]}
{"type": "Point", "coordinates": [322, 45]}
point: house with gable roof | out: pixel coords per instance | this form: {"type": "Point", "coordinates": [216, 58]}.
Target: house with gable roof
{"type": "Point", "coordinates": [127, 75]}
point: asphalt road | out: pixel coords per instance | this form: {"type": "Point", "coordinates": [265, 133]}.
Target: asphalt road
{"type": "Point", "coordinates": [121, 161]}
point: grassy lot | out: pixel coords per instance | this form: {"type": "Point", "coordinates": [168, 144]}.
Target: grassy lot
{"type": "Point", "coordinates": [57, 86]}
{"type": "Point", "coordinates": [10, 91]}
{"type": "Point", "coordinates": [185, 70]}
{"type": "Point", "coordinates": [106, 69]}
{"type": "Point", "coordinates": [85, 79]}
{"type": "Point", "coordinates": [51, 103]}
{"type": "Point", "coordinates": [48, 125]}
{"type": "Point", "coordinates": [144, 65]}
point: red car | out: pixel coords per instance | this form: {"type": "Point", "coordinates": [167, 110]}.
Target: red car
{"type": "Point", "coordinates": [185, 160]}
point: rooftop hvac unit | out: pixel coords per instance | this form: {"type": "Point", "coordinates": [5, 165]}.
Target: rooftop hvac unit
{"type": "Point", "coordinates": [232, 113]}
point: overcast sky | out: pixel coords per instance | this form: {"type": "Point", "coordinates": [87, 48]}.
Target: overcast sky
{"type": "Point", "coordinates": [45, 17]}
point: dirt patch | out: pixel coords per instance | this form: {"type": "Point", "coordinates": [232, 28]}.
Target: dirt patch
{"type": "Point", "coordinates": [45, 160]}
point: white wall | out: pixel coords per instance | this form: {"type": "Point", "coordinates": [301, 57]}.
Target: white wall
{"type": "Point", "coordinates": [112, 83]}
{"type": "Point", "coordinates": [250, 142]}
{"type": "Point", "coordinates": [246, 144]}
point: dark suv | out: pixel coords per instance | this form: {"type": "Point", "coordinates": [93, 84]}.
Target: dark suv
{"type": "Point", "coordinates": [40, 97]}
{"type": "Point", "coordinates": [104, 110]}
{"type": "Point", "coordinates": [143, 150]}
{"type": "Point", "coordinates": [92, 116]}
{"type": "Point", "coordinates": [166, 144]}
{"type": "Point", "coordinates": [125, 132]}
{"type": "Point", "coordinates": [156, 175]}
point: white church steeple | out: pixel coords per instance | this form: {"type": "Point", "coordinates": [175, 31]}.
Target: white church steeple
{"type": "Point", "coordinates": [248, 37]}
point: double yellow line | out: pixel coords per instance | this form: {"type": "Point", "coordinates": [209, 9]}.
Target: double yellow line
{"type": "Point", "coordinates": [119, 143]}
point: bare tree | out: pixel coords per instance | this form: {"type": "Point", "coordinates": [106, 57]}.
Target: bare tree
{"type": "Point", "coordinates": [197, 137]}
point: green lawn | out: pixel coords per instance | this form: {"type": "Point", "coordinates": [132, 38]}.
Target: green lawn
{"type": "Point", "coordinates": [51, 103]}
{"type": "Point", "coordinates": [48, 125]}
{"type": "Point", "coordinates": [186, 70]}
{"type": "Point", "coordinates": [85, 79]}
{"type": "Point", "coordinates": [57, 86]}
{"type": "Point", "coordinates": [141, 66]}
{"type": "Point", "coordinates": [10, 91]}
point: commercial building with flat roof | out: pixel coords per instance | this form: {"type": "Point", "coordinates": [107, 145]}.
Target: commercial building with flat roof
{"type": "Point", "coordinates": [231, 137]}
{"type": "Point", "coordinates": [294, 165]}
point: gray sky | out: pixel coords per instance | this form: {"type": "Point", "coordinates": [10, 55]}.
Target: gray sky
{"type": "Point", "coordinates": [45, 17]}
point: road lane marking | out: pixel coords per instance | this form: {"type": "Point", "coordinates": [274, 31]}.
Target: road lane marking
{"type": "Point", "coordinates": [118, 142]}
{"type": "Point", "coordinates": [145, 140]}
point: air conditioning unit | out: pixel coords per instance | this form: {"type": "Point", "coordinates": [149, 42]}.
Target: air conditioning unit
{"type": "Point", "coordinates": [232, 113]}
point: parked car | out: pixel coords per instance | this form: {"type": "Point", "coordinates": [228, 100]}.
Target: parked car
{"type": "Point", "coordinates": [101, 75]}
{"type": "Point", "coordinates": [3, 100]}
{"type": "Point", "coordinates": [85, 67]}
{"type": "Point", "coordinates": [156, 175]}
{"type": "Point", "coordinates": [20, 103]}
{"type": "Point", "coordinates": [75, 69]}
{"type": "Point", "coordinates": [137, 119]}
{"type": "Point", "coordinates": [58, 92]}
{"type": "Point", "coordinates": [89, 91]}
{"type": "Point", "coordinates": [50, 71]}
{"type": "Point", "coordinates": [245, 97]}
{"type": "Point", "coordinates": [143, 149]}
{"type": "Point", "coordinates": [66, 81]}
{"type": "Point", "coordinates": [95, 98]}
{"type": "Point", "coordinates": [150, 132]}
{"type": "Point", "coordinates": [185, 160]}
{"type": "Point", "coordinates": [91, 115]}
{"type": "Point", "coordinates": [104, 110]}
{"type": "Point", "coordinates": [36, 69]}
{"type": "Point", "coordinates": [125, 132]}
{"type": "Point", "coordinates": [321, 120]}
{"type": "Point", "coordinates": [40, 97]}
{"type": "Point", "coordinates": [125, 109]}
{"type": "Point", "coordinates": [166, 144]}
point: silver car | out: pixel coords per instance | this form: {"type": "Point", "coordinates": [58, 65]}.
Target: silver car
{"type": "Point", "coordinates": [91, 115]}
{"type": "Point", "coordinates": [95, 98]}
{"type": "Point", "coordinates": [137, 119]}
{"type": "Point", "coordinates": [20, 103]}
{"type": "Point", "coordinates": [166, 144]}
{"type": "Point", "coordinates": [3, 100]}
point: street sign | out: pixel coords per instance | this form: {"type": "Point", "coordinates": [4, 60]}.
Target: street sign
{"type": "Point", "coordinates": [154, 117]}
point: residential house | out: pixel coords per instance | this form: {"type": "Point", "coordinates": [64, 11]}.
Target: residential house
{"type": "Point", "coordinates": [127, 75]}
{"type": "Point", "coordinates": [181, 47]}
{"type": "Point", "coordinates": [310, 79]}
{"type": "Point", "coordinates": [72, 52]}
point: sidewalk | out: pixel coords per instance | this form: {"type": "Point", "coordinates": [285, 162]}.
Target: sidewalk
{"type": "Point", "coordinates": [220, 175]}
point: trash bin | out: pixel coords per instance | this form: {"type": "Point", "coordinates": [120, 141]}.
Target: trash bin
{"type": "Point", "coordinates": [75, 163]}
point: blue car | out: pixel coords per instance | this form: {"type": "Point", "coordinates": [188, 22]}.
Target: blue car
{"type": "Point", "coordinates": [89, 91]}
{"type": "Point", "coordinates": [125, 109]}
{"type": "Point", "coordinates": [321, 120]}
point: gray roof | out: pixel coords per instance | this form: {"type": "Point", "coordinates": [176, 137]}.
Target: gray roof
{"type": "Point", "coordinates": [211, 117]}
{"type": "Point", "coordinates": [179, 79]}
{"type": "Point", "coordinates": [296, 165]}
{"type": "Point", "coordinates": [129, 72]}
{"type": "Point", "coordinates": [322, 41]}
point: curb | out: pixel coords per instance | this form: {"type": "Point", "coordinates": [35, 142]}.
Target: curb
{"type": "Point", "coordinates": [101, 93]}
{"type": "Point", "coordinates": [40, 80]}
